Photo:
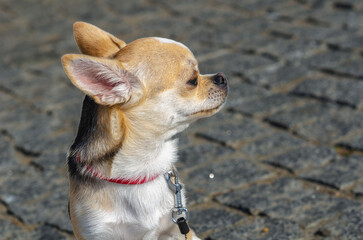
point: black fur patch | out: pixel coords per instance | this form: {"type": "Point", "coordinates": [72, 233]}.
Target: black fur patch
{"type": "Point", "coordinates": [87, 132]}
{"type": "Point", "coordinates": [87, 123]}
{"type": "Point", "coordinates": [69, 210]}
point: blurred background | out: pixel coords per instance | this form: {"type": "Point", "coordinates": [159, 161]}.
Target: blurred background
{"type": "Point", "coordinates": [283, 160]}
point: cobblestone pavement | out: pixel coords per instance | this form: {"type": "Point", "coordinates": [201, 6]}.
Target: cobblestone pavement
{"type": "Point", "coordinates": [283, 160]}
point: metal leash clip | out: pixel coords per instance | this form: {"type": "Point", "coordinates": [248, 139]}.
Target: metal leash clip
{"type": "Point", "coordinates": [179, 209]}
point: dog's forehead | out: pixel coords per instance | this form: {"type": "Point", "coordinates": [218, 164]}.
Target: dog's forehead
{"type": "Point", "coordinates": [166, 40]}
{"type": "Point", "coordinates": [157, 58]}
{"type": "Point", "coordinates": [158, 50]}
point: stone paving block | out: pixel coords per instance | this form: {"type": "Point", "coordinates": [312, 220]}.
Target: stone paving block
{"type": "Point", "coordinates": [203, 37]}
{"type": "Point", "coordinates": [314, 32]}
{"type": "Point", "coordinates": [349, 41]}
{"type": "Point", "coordinates": [280, 33]}
{"type": "Point", "coordinates": [184, 139]}
{"type": "Point", "coordinates": [6, 73]}
{"type": "Point", "coordinates": [7, 155]}
{"type": "Point", "coordinates": [287, 198]}
{"type": "Point", "coordinates": [225, 116]}
{"type": "Point", "coordinates": [351, 68]}
{"type": "Point", "coordinates": [261, 4]}
{"type": "Point", "coordinates": [5, 17]}
{"type": "Point", "coordinates": [309, 157]}
{"type": "Point", "coordinates": [52, 161]}
{"type": "Point", "coordinates": [236, 132]}
{"type": "Point", "coordinates": [261, 229]}
{"type": "Point", "coordinates": [347, 19]}
{"type": "Point", "coordinates": [44, 92]}
{"type": "Point", "coordinates": [28, 192]}
{"type": "Point", "coordinates": [234, 63]}
{"type": "Point", "coordinates": [355, 142]}
{"type": "Point", "coordinates": [223, 175]}
{"type": "Point", "coordinates": [293, 51]}
{"type": "Point", "coordinates": [79, 11]}
{"type": "Point", "coordinates": [134, 7]}
{"type": "Point", "coordinates": [291, 118]}
{"type": "Point", "coordinates": [240, 5]}
{"type": "Point", "coordinates": [18, 116]}
{"type": "Point", "coordinates": [32, 136]}
{"type": "Point", "coordinates": [298, 10]}
{"type": "Point", "coordinates": [148, 25]}
{"type": "Point", "coordinates": [45, 232]}
{"type": "Point", "coordinates": [10, 231]}
{"type": "Point", "coordinates": [227, 34]}
{"type": "Point", "coordinates": [344, 91]}
{"type": "Point", "coordinates": [277, 77]}
{"type": "Point", "coordinates": [254, 42]}
{"type": "Point", "coordinates": [270, 145]}
{"type": "Point", "coordinates": [56, 96]}
{"type": "Point", "coordinates": [26, 50]}
{"type": "Point", "coordinates": [242, 91]}
{"type": "Point", "coordinates": [201, 153]}
{"type": "Point", "coordinates": [339, 174]}
{"type": "Point", "coordinates": [36, 132]}
{"type": "Point", "coordinates": [47, 71]}
{"type": "Point", "coordinates": [35, 11]}
{"type": "Point", "coordinates": [331, 126]}
{"type": "Point", "coordinates": [58, 141]}
{"type": "Point", "coordinates": [267, 105]}
{"type": "Point", "coordinates": [213, 217]}
{"type": "Point", "coordinates": [220, 13]}
{"type": "Point", "coordinates": [66, 117]}
{"type": "Point", "coordinates": [327, 59]}
{"type": "Point", "coordinates": [189, 8]}
{"type": "Point", "coordinates": [7, 104]}
{"type": "Point", "coordinates": [194, 196]}
{"type": "Point", "coordinates": [348, 226]}
{"type": "Point", "coordinates": [358, 188]}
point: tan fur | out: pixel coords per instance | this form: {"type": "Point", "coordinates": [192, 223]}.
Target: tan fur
{"type": "Point", "coordinates": [162, 57]}
{"type": "Point", "coordinates": [98, 201]}
{"type": "Point", "coordinates": [95, 42]}
{"type": "Point", "coordinates": [116, 124]}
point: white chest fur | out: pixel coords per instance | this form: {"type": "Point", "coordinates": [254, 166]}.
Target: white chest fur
{"type": "Point", "coordinates": [116, 211]}
{"type": "Point", "coordinates": [137, 212]}
{"type": "Point", "coordinates": [147, 158]}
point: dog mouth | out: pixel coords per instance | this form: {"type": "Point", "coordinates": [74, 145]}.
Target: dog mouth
{"type": "Point", "coordinates": [206, 111]}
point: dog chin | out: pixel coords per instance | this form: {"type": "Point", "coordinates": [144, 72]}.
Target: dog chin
{"type": "Point", "coordinates": [206, 112]}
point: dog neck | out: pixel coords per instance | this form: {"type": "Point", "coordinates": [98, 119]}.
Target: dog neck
{"type": "Point", "coordinates": [112, 146]}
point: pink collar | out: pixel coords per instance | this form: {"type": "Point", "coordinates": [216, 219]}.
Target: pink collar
{"type": "Point", "coordinates": [139, 180]}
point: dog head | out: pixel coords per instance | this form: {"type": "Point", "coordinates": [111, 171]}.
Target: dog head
{"type": "Point", "coordinates": [151, 80]}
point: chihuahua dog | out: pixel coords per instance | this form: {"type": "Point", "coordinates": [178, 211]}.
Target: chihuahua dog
{"type": "Point", "coordinates": [138, 96]}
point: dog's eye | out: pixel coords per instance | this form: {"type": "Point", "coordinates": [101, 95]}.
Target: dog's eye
{"type": "Point", "coordinates": [193, 82]}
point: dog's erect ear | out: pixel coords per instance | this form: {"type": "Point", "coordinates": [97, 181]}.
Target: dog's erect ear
{"type": "Point", "coordinates": [105, 80]}
{"type": "Point", "coordinates": [93, 41]}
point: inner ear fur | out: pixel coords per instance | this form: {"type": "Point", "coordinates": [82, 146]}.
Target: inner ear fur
{"type": "Point", "coordinates": [105, 80]}
{"type": "Point", "coordinates": [93, 41]}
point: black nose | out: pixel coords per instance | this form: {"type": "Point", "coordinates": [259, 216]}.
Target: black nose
{"type": "Point", "coordinates": [220, 80]}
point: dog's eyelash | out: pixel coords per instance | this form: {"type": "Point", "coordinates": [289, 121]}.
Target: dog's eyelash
{"type": "Point", "coordinates": [193, 82]}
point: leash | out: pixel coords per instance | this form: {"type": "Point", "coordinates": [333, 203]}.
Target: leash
{"type": "Point", "coordinates": [179, 210]}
